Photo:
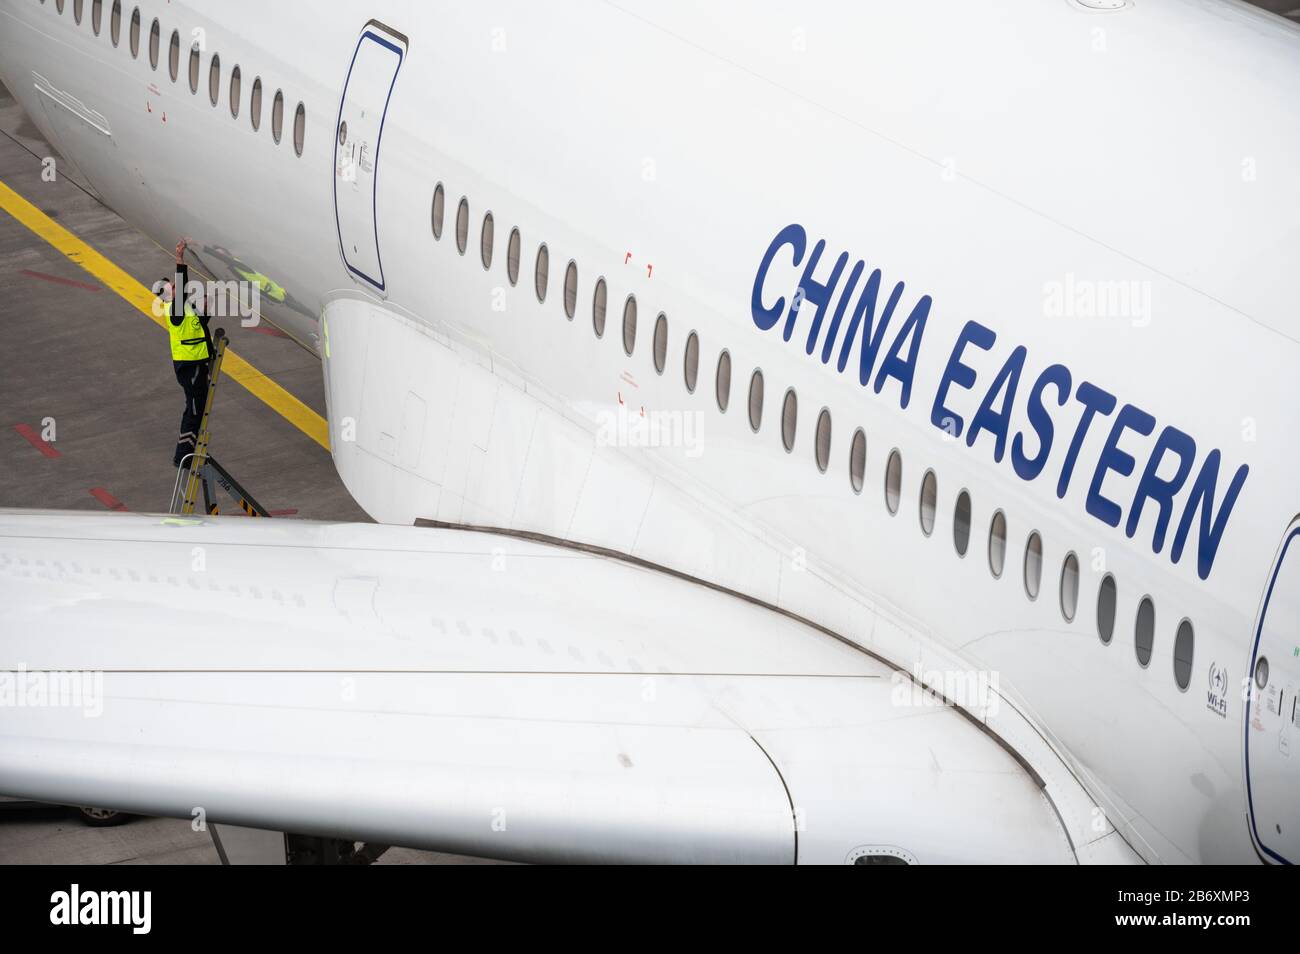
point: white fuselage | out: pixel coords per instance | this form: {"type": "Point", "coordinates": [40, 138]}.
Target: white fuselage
{"type": "Point", "coordinates": [1111, 193]}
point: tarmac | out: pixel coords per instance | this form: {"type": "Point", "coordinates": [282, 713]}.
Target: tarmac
{"type": "Point", "coordinates": [90, 376]}
{"type": "Point", "coordinates": [89, 413]}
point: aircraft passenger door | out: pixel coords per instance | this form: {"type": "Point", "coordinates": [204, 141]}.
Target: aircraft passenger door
{"type": "Point", "coordinates": [1272, 744]}
{"type": "Point", "coordinates": [367, 92]}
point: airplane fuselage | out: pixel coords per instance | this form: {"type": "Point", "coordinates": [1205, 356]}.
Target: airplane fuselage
{"type": "Point", "coordinates": [1036, 257]}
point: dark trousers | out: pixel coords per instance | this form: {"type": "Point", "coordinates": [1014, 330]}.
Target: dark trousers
{"type": "Point", "coordinates": [193, 379]}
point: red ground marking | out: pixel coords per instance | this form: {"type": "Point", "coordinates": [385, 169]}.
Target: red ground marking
{"type": "Point", "coordinates": [107, 499]}
{"type": "Point", "coordinates": [35, 440]}
{"type": "Point", "coordinates": [59, 281]}
{"type": "Point", "coordinates": [268, 330]}
{"type": "Point", "coordinates": [283, 513]}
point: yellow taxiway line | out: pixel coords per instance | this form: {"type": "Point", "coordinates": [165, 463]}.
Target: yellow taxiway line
{"type": "Point", "coordinates": [131, 291]}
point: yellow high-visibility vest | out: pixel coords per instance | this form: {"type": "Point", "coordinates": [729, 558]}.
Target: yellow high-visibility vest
{"type": "Point", "coordinates": [188, 340]}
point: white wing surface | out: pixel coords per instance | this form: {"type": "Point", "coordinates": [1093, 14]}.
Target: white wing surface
{"type": "Point", "coordinates": [473, 693]}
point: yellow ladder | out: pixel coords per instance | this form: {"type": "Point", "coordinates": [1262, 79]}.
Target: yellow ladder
{"type": "Point", "coordinates": [200, 457]}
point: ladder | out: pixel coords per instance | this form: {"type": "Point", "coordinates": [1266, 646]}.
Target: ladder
{"type": "Point", "coordinates": [204, 470]}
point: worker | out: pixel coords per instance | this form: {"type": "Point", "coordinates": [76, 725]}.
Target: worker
{"type": "Point", "coordinates": [192, 351]}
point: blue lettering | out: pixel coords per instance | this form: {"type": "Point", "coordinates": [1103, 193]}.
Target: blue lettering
{"type": "Point", "coordinates": [959, 374]}
{"type": "Point", "coordinates": [1093, 399]}
{"type": "Point", "coordinates": [1202, 499]}
{"type": "Point", "coordinates": [997, 422]}
{"type": "Point", "coordinates": [839, 314]}
{"type": "Point", "coordinates": [796, 238]}
{"type": "Point", "coordinates": [814, 291]}
{"type": "Point", "coordinates": [1130, 417]}
{"type": "Point", "coordinates": [870, 341]}
{"type": "Point", "coordinates": [1152, 487]}
{"type": "Point", "coordinates": [1027, 468]}
{"type": "Point", "coordinates": [904, 369]}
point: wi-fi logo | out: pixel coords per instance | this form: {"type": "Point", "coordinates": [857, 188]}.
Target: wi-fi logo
{"type": "Point", "coordinates": [1218, 678]}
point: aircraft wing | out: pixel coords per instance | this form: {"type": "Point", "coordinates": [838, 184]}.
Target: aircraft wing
{"type": "Point", "coordinates": [472, 693]}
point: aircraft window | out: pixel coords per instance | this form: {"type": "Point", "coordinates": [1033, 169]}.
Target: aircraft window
{"type": "Point", "coordinates": [1144, 631]}
{"type": "Point", "coordinates": [929, 501]}
{"type": "Point", "coordinates": [76, 11]}
{"type": "Point", "coordinates": [893, 481]}
{"type": "Point", "coordinates": [462, 225]}
{"type": "Point", "coordinates": [756, 400]}
{"type": "Point", "coordinates": [135, 33]}
{"type": "Point", "coordinates": [1183, 646]}
{"type": "Point", "coordinates": [255, 104]}
{"type": "Point", "coordinates": [822, 446]}
{"type": "Point", "coordinates": [299, 128]}
{"type": "Point", "coordinates": [571, 289]}
{"type": "Point", "coordinates": [277, 116]}
{"type": "Point", "coordinates": [194, 69]}
{"type": "Point", "coordinates": [214, 81]}
{"type": "Point", "coordinates": [789, 418]}
{"type": "Point", "coordinates": [439, 197]}
{"type": "Point", "coordinates": [115, 23]}
{"type": "Point", "coordinates": [722, 384]}
{"type": "Point", "coordinates": [155, 32]}
{"type": "Point", "coordinates": [661, 343]}
{"type": "Point", "coordinates": [998, 544]}
{"type": "Point", "coordinates": [692, 362]}
{"type": "Point", "coordinates": [58, 6]}
{"type": "Point", "coordinates": [235, 85]}
{"type": "Point", "coordinates": [96, 16]}
{"type": "Point", "coordinates": [598, 301]}
{"type": "Point", "coordinates": [858, 460]}
{"type": "Point", "coordinates": [1070, 587]}
{"type": "Point", "coordinates": [174, 55]}
{"type": "Point", "coordinates": [1106, 609]}
{"type": "Point", "coordinates": [486, 237]}
{"type": "Point", "coordinates": [822, 441]}
{"type": "Point", "coordinates": [513, 256]}
{"type": "Point", "coordinates": [542, 272]}
{"type": "Point", "coordinates": [961, 524]}
{"type": "Point", "coordinates": [629, 324]}
{"type": "Point", "coordinates": [1033, 564]}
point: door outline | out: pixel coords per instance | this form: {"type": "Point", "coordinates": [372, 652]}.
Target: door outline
{"type": "Point", "coordinates": [1292, 532]}
{"type": "Point", "coordinates": [368, 32]}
